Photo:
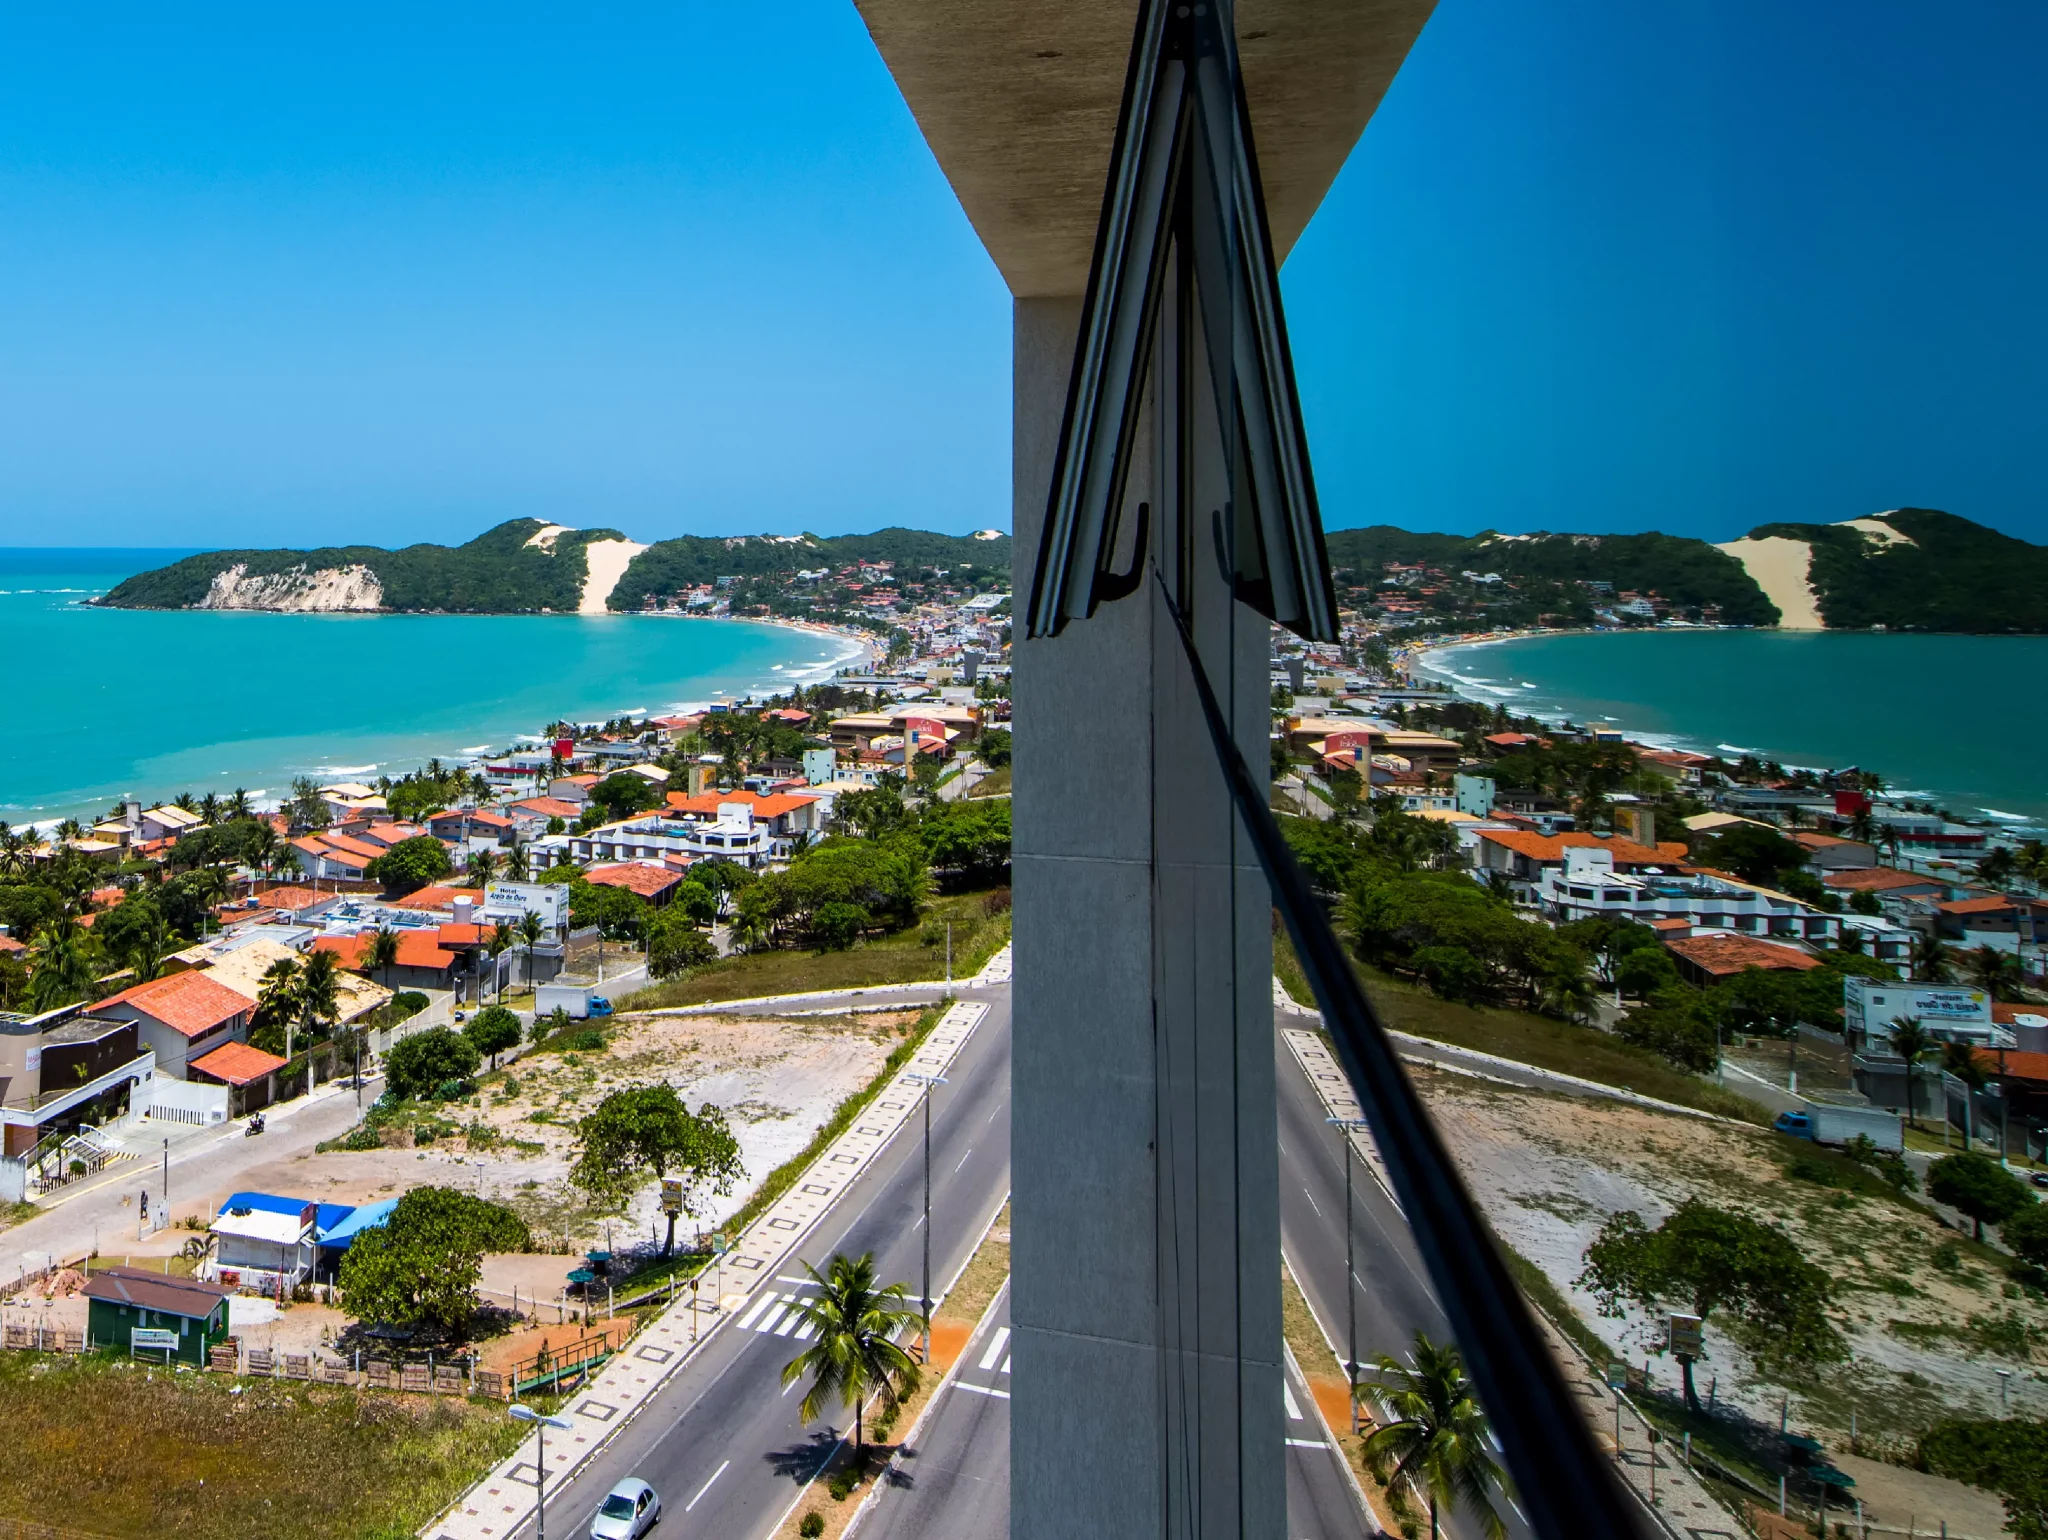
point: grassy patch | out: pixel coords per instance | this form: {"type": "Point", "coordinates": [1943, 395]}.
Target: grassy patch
{"type": "Point", "coordinates": [914, 955]}
{"type": "Point", "coordinates": [144, 1453]}
{"type": "Point", "coordinates": [995, 784]}
{"type": "Point", "coordinates": [19, 1213]}
{"type": "Point", "coordinates": [1528, 1039]}
{"type": "Point", "coordinates": [984, 1274]}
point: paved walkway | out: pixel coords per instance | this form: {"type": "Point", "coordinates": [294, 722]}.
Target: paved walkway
{"type": "Point", "coordinates": [503, 1500]}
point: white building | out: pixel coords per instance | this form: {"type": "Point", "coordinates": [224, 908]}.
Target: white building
{"type": "Point", "coordinates": [1950, 1012]}
{"type": "Point", "coordinates": [1587, 885]}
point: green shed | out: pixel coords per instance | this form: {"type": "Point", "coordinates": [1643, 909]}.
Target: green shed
{"type": "Point", "coordinates": [127, 1300]}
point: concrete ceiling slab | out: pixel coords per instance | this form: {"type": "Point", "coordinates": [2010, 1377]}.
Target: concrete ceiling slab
{"type": "Point", "coordinates": [1018, 100]}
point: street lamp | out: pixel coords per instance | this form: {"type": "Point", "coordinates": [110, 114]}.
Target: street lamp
{"type": "Point", "coordinates": [1350, 1285]}
{"type": "Point", "coordinates": [542, 1422]}
{"type": "Point", "coordinates": [927, 1081]}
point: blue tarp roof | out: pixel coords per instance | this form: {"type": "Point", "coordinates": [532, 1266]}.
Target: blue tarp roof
{"type": "Point", "coordinates": [368, 1217]}
{"type": "Point", "coordinates": [265, 1203]}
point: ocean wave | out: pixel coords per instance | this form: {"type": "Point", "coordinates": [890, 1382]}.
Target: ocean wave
{"type": "Point", "coordinates": [1992, 812]}
{"type": "Point", "coordinates": [343, 769]}
{"type": "Point", "coordinates": [1730, 748]}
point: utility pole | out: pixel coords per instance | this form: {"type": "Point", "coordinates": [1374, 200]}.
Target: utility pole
{"type": "Point", "coordinates": [541, 1424]}
{"type": "Point", "coordinates": [1350, 1275]}
{"type": "Point", "coordinates": [927, 1081]}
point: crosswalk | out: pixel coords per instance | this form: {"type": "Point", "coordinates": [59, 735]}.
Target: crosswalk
{"type": "Point", "coordinates": [777, 1314]}
{"type": "Point", "coordinates": [994, 1361]}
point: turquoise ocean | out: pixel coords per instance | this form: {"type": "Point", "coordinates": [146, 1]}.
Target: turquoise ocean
{"type": "Point", "coordinates": [106, 703]}
{"type": "Point", "coordinates": [1946, 719]}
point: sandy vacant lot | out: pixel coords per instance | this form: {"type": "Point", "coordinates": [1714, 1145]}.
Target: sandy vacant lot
{"type": "Point", "coordinates": [777, 1081]}
{"type": "Point", "coordinates": [1928, 1330]}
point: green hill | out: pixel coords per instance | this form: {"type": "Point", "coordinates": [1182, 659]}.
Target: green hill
{"type": "Point", "coordinates": [1690, 574]}
{"type": "Point", "coordinates": [669, 568]}
{"type": "Point", "coordinates": [496, 573]}
{"type": "Point", "coordinates": [1946, 574]}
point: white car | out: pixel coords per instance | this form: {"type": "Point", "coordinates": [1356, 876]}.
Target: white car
{"type": "Point", "coordinates": [629, 1512]}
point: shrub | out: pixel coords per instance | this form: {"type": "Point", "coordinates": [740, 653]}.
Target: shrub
{"type": "Point", "coordinates": [407, 1002]}
{"type": "Point", "coordinates": [418, 1064]}
{"type": "Point", "coordinates": [812, 1526]}
{"type": "Point", "coordinates": [838, 925]}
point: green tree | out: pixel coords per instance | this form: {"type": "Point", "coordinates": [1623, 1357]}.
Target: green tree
{"type": "Point", "coordinates": [2026, 1234]}
{"type": "Point", "coordinates": [993, 747]}
{"type": "Point", "coordinates": [1997, 973]}
{"type": "Point", "coordinates": [1911, 1042]}
{"type": "Point", "coordinates": [1677, 1023]}
{"type": "Point", "coordinates": [421, 1266]}
{"type": "Point", "coordinates": [419, 1065]}
{"type": "Point", "coordinates": [646, 1130]}
{"type": "Point", "coordinates": [1931, 960]}
{"type": "Point", "coordinates": [316, 995]}
{"type": "Point", "coordinates": [1437, 1436]}
{"type": "Point", "coordinates": [491, 1031]}
{"type": "Point", "coordinates": [411, 864]}
{"type": "Point", "coordinates": [1708, 1259]}
{"type": "Point", "coordinates": [698, 902]}
{"type": "Point", "coordinates": [622, 795]}
{"type": "Point", "coordinates": [674, 945]}
{"type": "Point", "coordinates": [134, 934]}
{"type": "Point", "coordinates": [380, 956]}
{"type": "Point", "coordinates": [854, 1356]}
{"type": "Point", "coordinates": [1753, 853]}
{"type": "Point", "coordinates": [1977, 1187]}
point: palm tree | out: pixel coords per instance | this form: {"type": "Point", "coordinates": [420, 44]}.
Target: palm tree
{"type": "Point", "coordinates": [209, 808]}
{"type": "Point", "coordinates": [501, 939]}
{"type": "Point", "coordinates": [515, 863]}
{"type": "Point", "coordinates": [1911, 1042]}
{"type": "Point", "coordinates": [1998, 867]}
{"type": "Point", "coordinates": [855, 1355]}
{"type": "Point", "coordinates": [531, 929]}
{"type": "Point", "coordinates": [1996, 973]}
{"type": "Point", "coordinates": [483, 866]}
{"type": "Point", "coordinates": [1931, 960]}
{"type": "Point", "coordinates": [2032, 861]}
{"type": "Point", "coordinates": [1888, 840]}
{"type": "Point", "coordinates": [319, 995]}
{"type": "Point", "coordinates": [1961, 1061]}
{"type": "Point", "coordinates": [239, 805]}
{"type": "Point", "coordinates": [60, 967]}
{"type": "Point", "coordinates": [1862, 827]}
{"type": "Point", "coordinates": [381, 956]}
{"type": "Point", "coordinates": [262, 850]}
{"type": "Point", "coordinates": [1439, 1438]}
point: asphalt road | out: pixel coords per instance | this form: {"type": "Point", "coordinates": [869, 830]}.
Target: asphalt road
{"type": "Point", "coordinates": [723, 1443]}
{"type": "Point", "coordinates": [1388, 1285]}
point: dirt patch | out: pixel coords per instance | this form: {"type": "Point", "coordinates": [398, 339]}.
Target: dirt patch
{"type": "Point", "coordinates": [513, 1142]}
{"type": "Point", "coordinates": [1929, 1317]}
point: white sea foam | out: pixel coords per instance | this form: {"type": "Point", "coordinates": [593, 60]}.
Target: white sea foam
{"type": "Point", "coordinates": [1992, 812]}
{"type": "Point", "coordinates": [1730, 748]}
{"type": "Point", "coordinates": [343, 769]}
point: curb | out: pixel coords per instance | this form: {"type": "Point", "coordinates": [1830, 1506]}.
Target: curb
{"type": "Point", "coordinates": [443, 1524]}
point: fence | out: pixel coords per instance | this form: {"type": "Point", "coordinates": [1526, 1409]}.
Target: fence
{"type": "Point", "coordinates": [26, 1278]}
{"type": "Point", "coordinates": [577, 1358]}
{"type": "Point", "coordinates": [182, 1101]}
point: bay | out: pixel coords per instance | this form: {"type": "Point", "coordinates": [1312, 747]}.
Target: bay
{"type": "Point", "coordinates": [108, 703]}
{"type": "Point", "coordinates": [1944, 719]}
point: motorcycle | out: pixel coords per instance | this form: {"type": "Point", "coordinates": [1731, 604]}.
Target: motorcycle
{"type": "Point", "coordinates": [255, 1126]}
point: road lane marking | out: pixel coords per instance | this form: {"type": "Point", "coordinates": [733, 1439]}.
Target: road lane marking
{"type": "Point", "coordinates": [963, 1160]}
{"type": "Point", "coordinates": [982, 1390]}
{"type": "Point", "coordinates": [995, 1348]}
{"type": "Point", "coordinates": [769, 1323]}
{"type": "Point", "coordinates": [1306, 1443]}
{"type": "Point", "coordinates": [761, 1304]}
{"type": "Point", "coordinates": [1312, 1202]}
{"type": "Point", "coordinates": [705, 1488]}
{"type": "Point", "coordinates": [1293, 1406]}
{"type": "Point", "coordinates": [1005, 1368]}
{"type": "Point", "coordinates": [808, 1330]}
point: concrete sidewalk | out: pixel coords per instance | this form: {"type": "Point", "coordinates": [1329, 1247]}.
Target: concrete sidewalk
{"type": "Point", "coordinates": [504, 1499]}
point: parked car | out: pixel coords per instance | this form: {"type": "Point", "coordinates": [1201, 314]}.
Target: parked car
{"type": "Point", "coordinates": [629, 1511]}
{"type": "Point", "coordinates": [2039, 1178]}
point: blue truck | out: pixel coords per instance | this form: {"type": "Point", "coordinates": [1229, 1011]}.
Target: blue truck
{"type": "Point", "coordinates": [1825, 1123]}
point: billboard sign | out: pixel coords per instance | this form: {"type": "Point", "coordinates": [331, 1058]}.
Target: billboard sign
{"type": "Point", "coordinates": [515, 900]}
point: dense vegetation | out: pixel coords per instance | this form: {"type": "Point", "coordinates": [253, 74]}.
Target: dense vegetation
{"type": "Point", "coordinates": [496, 573]}
{"type": "Point", "coordinates": [670, 567]}
{"type": "Point", "coordinates": [1955, 576]}
{"type": "Point", "coordinates": [1689, 573]}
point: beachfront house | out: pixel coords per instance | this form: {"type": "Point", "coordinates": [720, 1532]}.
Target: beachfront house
{"type": "Point", "coordinates": [263, 1243]}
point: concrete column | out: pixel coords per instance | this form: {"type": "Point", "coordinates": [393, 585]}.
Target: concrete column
{"type": "Point", "coordinates": [1145, 1217]}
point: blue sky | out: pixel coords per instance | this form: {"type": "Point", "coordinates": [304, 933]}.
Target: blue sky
{"type": "Point", "coordinates": [272, 278]}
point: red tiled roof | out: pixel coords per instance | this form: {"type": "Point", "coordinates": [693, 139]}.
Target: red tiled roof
{"type": "Point", "coordinates": [293, 898]}
{"type": "Point", "coordinates": [9, 944]}
{"type": "Point", "coordinates": [707, 802]}
{"type": "Point", "coordinates": [2013, 1064]}
{"type": "Point", "coordinates": [549, 807]}
{"type": "Point", "coordinates": [647, 881]}
{"type": "Point", "coordinates": [1877, 879]}
{"type": "Point", "coordinates": [237, 1063]}
{"type": "Point", "coordinates": [442, 896]}
{"type": "Point", "coordinates": [1996, 903]}
{"type": "Point", "coordinates": [190, 1003]}
{"type": "Point", "coordinates": [1726, 955]}
{"type": "Point", "coordinates": [1814, 840]}
{"type": "Point", "coordinates": [416, 949]}
{"type": "Point", "coordinates": [1551, 847]}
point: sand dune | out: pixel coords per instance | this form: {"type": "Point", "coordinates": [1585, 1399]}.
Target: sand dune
{"type": "Point", "coordinates": [608, 560]}
{"type": "Point", "coordinates": [1780, 568]}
